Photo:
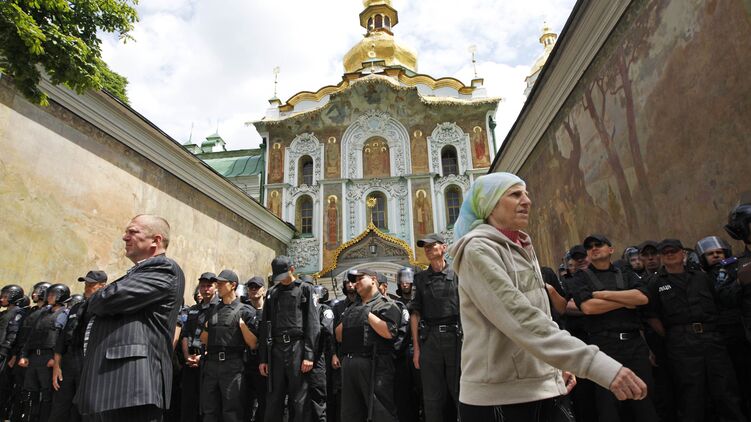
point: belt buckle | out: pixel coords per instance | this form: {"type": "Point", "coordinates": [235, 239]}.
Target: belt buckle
{"type": "Point", "coordinates": [442, 328]}
{"type": "Point", "coordinates": [286, 339]}
{"type": "Point", "coordinates": [698, 327]}
{"type": "Point", "coordinates": [222, 356]}
{"type": "Point", "coordinates": [622, 336]}
{"type": "Point", "coordinates": [38, 352]}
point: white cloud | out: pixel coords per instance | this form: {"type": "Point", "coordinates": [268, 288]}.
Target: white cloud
{"type": "Point", "coordinates": [195, 63]}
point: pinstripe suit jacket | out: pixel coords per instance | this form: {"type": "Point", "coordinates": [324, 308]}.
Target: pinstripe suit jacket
{"type": "Point", "coordinates": [128, 354]}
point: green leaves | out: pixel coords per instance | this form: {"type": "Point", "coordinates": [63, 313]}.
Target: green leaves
{"type": "Point", "coordinates": [60, 37]}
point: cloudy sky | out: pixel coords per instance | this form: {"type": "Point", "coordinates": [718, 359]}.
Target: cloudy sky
{"type": "Point", "coordinates": [208, 64]}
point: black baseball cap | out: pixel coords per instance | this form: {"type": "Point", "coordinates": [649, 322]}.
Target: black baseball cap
{"type": "Point", "coordinates": [207, 276]}
{"type": "Point", "coordinates": [255, 281]}
{"type": "Point", "coordinates": [227, 275]}
{"type": "Point", "coordinates": [431, 238]}
{"type": "Point", "coordinates": [94, 276]}
{"type": "Point", "coordinates": [647, 244]}
{"type": "Point", "coordinates": [576, 250]}
{"type": "Point", "coordinates": [353, 274]}
{"type": "Point", "coordinates": [592, 238]}
{"type": "Point", "coordinates": [280, 266]}
{"type": "Point", "coordinates": [669, 243]}
{"type": "Point", "coordinates": [382, 279]}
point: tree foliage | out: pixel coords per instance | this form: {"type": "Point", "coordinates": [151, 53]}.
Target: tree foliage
{"type": "Point", "coordinates": [60, 37]}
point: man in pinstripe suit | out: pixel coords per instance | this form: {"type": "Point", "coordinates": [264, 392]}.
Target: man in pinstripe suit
{"type": "Point", "coordinates": [127, 370]}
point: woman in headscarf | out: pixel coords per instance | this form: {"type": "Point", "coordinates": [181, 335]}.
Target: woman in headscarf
{"type": "Point", "coordinates": [514, 357]}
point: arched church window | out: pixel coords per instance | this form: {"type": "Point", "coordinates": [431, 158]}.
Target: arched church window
{"type": "Point", "coordinates": [370, 23]}
{"type": "Point", "coordinates": [387, 22]}
{"type": "Point", "coordinates": [375, 158]}
{"type": "Point", "coordinates": [304, 220]}
{"type": "Point", "coordinates": [453, 197]}
{"type": "Point", "coordinates": [378, 21]}
{"type": "Point", "coordinates": [305, 171]}
{"type": "Point", "coordinates": [449, 163]}
{"type": "Point", "coordinates": [379, 213]}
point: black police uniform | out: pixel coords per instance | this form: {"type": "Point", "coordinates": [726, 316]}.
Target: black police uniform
{"type": "Point", "coordinates": [191, 377]}
{"type": "Point", "coordinates": [293, 317]}
{"type": "Point", "coordinates": [20, 398]}
{"type": "Point", "coordinates": [406, 378]}
{"type": "Point", "coordinates": [255, 383]}
{"type": "Point", "coordinates": [222, 391]}
{"type": "Point", "coordinates": [617, 333]}
{"type": "Point", "coordinates": [367, 361]}
{"type": "Point", "coordinates": [334, 375]}
{"type": "Point", "coordinates": [437, 301]}
{"type": "Point", "coordinates": [699, 363]}
{"type": "Point", "coordinates": [317, 377]}
{"type": "Point", "coordinates": [730, 327]}
{"type": "Point", "coordinates": [39, 350]}
{"type": "Point", "coordinates": [10, 324]}
{"type": "Point", "coordinates": [70, 347]}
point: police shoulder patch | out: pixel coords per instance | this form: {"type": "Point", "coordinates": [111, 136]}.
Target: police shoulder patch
{"type": "Point", "coordinates": [328, 314]}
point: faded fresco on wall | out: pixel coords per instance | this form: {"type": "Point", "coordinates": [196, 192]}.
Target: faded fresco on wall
{"type": "Point", "coordinates": [419, 151]}
{"type": "Point", "coordinates": [67, 191]}
{"type": "Point", "coordinates": [332, 158]}
{"type": "Point", "coordinates": [376, 158]}
{"type": "Point", "coordinates": [422, 215]}
{"type": "Point", "coordinates": [274, 202]}
{"type": "Point", "coordinates": [332, 220]}
{"type": "Point", "coordinates": [479, 144]}
{"type": "Point", "coordinates": [645, 146]}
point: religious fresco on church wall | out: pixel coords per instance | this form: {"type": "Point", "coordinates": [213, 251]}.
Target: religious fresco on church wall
{"type": "Point", "coordinates": [274, 202]}
{"type": "Point", "coordinates": [332, 164]}
{"type": "Point", "coordinates": [332, 220]}
{"type": "Point", "coordinates": [644, 146]}
{"type": "Point", "coordinates": [376, 158]}
{"type": "Point", "coordinates": [276, 162]}
{"type": "Point", "coordinates": [479, 146]}
{"type": "Point", "coordinates": [422, 215]}
{"type": "Point", "coordinates": [419, 149]}
{"type": "Point", "coordinates": [67, 190]}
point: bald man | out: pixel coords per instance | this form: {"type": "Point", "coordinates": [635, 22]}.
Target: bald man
{"type": "Point", "coordinates": [127, 371]}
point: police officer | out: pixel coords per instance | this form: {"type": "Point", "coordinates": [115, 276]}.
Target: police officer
{"type": "Point", "coordinates": [436, 329]}
{"type": "Point", "coordinates": [334, 377]}
{"type": "Point", "coordinates": [192, 348]}
{"type": "Point", "coordinates": [256, 384]}
{"type": "Point", "coordinates": [317, 377]}
{"type": "Point", "coordinates": [229, 330]}
{"type": "Point", "coordinates": [367, 334]}
{"type": "Point", "coordinates": [406, 378]}
{"type": "Point", "coordinates": [739, 228]}
{"type": "Point", "coordinates": [66, 372]}
{"type": "Point", "coordinates": [683, 310]}
{"type": "Point", "coordinates": [11, 296]}
{"type": "Point", "coordinates": [608, 297]}
{"type": "Point", "coordinates": [289, 332]}
{"type": "Point", "coordinates": [37, 354]}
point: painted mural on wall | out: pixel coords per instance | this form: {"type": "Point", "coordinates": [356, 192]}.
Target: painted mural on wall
{"type": "Point", "coordinates": [422, 215]}
{"type": "Point", "coordinates": [275, 202]}
{"type": "Point", "coordinates": [332, 158]}
{"type": "Point", "coordinates": [645, 146]}
{"type": "Point", "coordinates": [419, 150]}
{"type": "Point", "coordinates": [480, 153]}
{"type": "Point", "coordinates": [276, 162]}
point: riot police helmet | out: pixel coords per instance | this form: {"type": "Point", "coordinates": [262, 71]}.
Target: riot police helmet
{"type": "Point", "coordinates": [712, 243]}
{"type": "Point", "coordinates": [738, 223]}
{"type": "Point", "coordinates": [24, 302]}
{"type": "Point", "coordinates": [60, 292]}
{"type": "Point", "coordinates": [405, 275]}
{"type": "Point", "coordinates": [322, 293]}
{"type": "Point", "coordinates": [13, 294]}
{"type": "Point", "coordinates": [75, 299]}
{"type": "Point", "coordinates": [242, 292]}
{"type": "Point", "coordinates": [39, 293]}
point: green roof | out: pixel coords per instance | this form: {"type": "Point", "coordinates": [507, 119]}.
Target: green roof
{"type": "Point", "coordinates": [237, 166]}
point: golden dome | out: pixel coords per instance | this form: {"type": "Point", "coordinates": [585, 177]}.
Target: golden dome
{"type": "Point", "coordinates": [385, 48]}
{"type": "Point", "coordinates": [378, 18]}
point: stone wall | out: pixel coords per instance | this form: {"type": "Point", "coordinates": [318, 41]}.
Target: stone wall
{"type": "Point", "coordinates": [653, 141]}
{"type": "Point", "coordinates": [68, 188]}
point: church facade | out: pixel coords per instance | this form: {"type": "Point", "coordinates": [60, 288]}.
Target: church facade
{"type": "Point", "coordinates": [365, 168]}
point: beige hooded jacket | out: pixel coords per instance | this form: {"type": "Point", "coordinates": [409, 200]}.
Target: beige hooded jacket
{"type": "Point", "coordinates": [511, 346]}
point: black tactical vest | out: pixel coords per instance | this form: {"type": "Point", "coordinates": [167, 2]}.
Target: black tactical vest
{"type": "Point", "coordinates": [224, 328]}
{"type": "Point", "coordinates": [441, 296]}
{"type": "Point", "coordinates": [289, 304]}
{"type": "Point", "coordinates": [44, 335]}
{"type": "Point", "coordinates": [5, 318]}
{"type": "Point", "coordinates": [358, 337]}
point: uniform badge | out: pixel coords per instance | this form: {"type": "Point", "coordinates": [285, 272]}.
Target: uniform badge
{"type": "Point", "coordinates": [328, 314]}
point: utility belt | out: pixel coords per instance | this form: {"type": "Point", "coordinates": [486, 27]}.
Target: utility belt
{"type": "Point", "coordinates": [432, 322]}
{"type": "Point", "coordinates": [444, 328]}
{"type": "Point", "coordinates": [41, 352]}
{"type": "Point", "coordinates": [287, 338]}
{"type": "Point", "coordinates": [367, 354]}
{"type": "Point", "coordinates": [224, 355]}
{"type": "Point", "coordinates": [623, 336]}
{"type": "Point", "coordinates": [694, 328]}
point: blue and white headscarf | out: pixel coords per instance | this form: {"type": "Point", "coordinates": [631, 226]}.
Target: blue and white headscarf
{"type": "Point", "coordinates": [481, 198]}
